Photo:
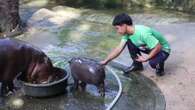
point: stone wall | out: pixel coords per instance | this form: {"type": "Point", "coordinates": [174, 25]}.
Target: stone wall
{"type": "Point", "coordinates": [179, 5]}
{"type": "Point", "coordinates": [9, 18]}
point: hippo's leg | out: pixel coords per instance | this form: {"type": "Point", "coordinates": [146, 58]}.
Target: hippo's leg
{"type": "Point", "coordinates": [3, 89]}
{"type": "Point", "coordinates": [7, 88]}
{"type": "Point", "coordinates": [83, 85]}
{"type": "Point", "coordinates": [2, 102]}
{"type": "Point", "coordinates": [76, 83]}
{"type": "Point", "coordinates": [101, 89]}
{"type": "Point", "coordinates": [11, 86]}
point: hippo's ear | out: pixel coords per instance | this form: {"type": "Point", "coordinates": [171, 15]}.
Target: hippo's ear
{"type": "Point", "coordinates": [30, 71]}
{"type": "Point", "coordinates": [34, 72]}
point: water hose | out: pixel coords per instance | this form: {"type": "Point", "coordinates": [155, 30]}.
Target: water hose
{"type": "Point", "coordinates": [119, 91]}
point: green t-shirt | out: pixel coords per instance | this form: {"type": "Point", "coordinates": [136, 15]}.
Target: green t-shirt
{"type": "Point", "coordinates": [145, 36]}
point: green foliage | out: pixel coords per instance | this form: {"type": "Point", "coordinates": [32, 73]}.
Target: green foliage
{"type": "Point", "coordinates": [113, 3]}
{"type": "Point", "coordinates": [181, 5]}
{"type": "Point", "coordinates": [97, 4]}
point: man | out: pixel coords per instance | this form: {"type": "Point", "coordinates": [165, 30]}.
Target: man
{"type": "Point", "coordinates": [139, 38]}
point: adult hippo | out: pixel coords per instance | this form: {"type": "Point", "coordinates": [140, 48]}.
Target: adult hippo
{"type": "Point", "coordinates": [20, 57]}
{"type": "Point", "coordinates": [87, 71]}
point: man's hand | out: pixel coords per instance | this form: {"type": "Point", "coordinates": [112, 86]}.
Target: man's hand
{"type": "Point", "coordinates": [140, 58]}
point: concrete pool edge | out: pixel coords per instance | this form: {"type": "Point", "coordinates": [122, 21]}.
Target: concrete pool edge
{"type": "Point", "coordinates": [160, 103]}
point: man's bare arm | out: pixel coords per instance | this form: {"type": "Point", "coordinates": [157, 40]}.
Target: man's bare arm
{"type": "Point", "coordinates": [114, 53]}
{"type": "Point", "coordinates": [154, 51]}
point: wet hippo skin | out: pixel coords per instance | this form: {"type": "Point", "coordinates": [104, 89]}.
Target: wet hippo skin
{"type": "Point", "coordinates": [87, 71]}
{"type": "Point", "coordinates": [20, 57]}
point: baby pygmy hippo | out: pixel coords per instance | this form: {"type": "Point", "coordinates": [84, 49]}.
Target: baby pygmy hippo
{"type": "Point", "coordinates": [88, 71]}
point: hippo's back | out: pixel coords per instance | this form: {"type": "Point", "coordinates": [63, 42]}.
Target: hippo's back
{"type": "Point", "coordinates": [11, 43]}
{"type": "Point", "coordinates": [15, 56]}
{"type": "Point", "coordinates": [87, 70]}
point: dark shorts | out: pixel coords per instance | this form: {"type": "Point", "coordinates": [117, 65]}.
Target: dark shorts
{"type": "Point", "coordinates": [157, 59]}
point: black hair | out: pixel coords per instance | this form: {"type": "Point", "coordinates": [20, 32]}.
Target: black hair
{"type": "Point", "coordinates": [122, 18]}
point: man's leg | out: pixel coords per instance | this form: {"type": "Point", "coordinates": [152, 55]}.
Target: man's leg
{"type": "Point", "coordinates": [133, 50]}
{"type": "Point", "coordinates": [157, 62]}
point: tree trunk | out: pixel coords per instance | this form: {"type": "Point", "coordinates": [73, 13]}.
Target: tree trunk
{"type": "Point", "coordinates": [9, 18]}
